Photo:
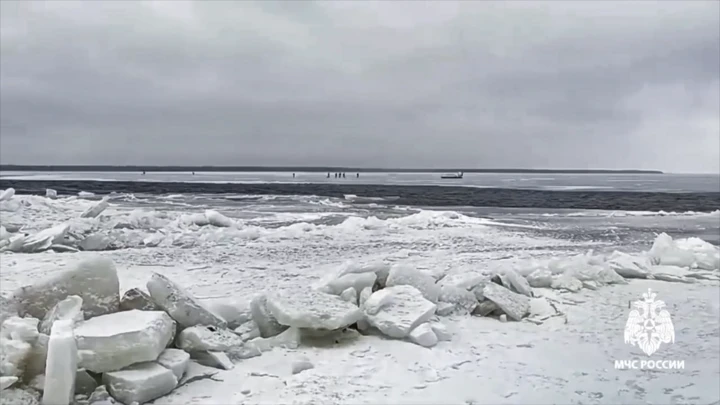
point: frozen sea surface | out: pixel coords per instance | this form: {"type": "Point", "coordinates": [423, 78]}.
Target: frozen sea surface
{"type": "Point", "coordinates": [533, 181]}
{"type": "Point", "coordinates": [292, 241]}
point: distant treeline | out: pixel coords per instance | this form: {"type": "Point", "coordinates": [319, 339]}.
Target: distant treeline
{"type": "Point", "coordinates": [87, 168]}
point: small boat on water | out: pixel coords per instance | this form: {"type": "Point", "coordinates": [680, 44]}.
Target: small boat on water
{"type": "Point", "coordinates": [458, 175]}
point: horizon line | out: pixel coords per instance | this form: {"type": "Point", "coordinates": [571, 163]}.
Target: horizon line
{"type": "Point", "coordinates": [214, 168]}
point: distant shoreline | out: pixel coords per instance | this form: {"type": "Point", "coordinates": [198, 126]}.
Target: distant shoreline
{"type": "Point", "coordinates": [300, 169]}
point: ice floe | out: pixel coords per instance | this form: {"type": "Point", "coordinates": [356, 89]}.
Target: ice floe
{"type": "Point", "coordinates": [94, 280]}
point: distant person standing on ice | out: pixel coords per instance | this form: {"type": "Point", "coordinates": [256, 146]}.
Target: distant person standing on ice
{"type": "Point", "coordinates": [358, 175]}
{"type": "Point", "coordinates": [343, 175]}
{"type": "Point", "coordinates": [293, 175]}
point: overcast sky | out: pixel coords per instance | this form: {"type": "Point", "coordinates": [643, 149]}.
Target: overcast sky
{"type": "Point", "coordinates": [559, 84]}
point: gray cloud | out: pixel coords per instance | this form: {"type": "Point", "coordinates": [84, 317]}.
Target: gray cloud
{"type": "Point", "coordinates": [403, 84]}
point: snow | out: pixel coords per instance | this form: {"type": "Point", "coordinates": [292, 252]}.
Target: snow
{"type": "Point", "coordinates": [140, 383]}
{"type": "Point", "coordinates": [113, 341]}
{"type": "Point", "coordinates": [312, 309]}
{"type": "Point", "coordinates": [62, 355]}
{"type": "Point", "coordinates": [300, 365]}
{"type": "Point", "coordinates": [505, 357]}
{"type": "Point", "coordinates": [565, 356]}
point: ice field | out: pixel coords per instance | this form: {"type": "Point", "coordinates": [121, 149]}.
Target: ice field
{"type": "Point", "coordinates": [666, 182]}
{"type": "Point", "coordinates": [568, 276]}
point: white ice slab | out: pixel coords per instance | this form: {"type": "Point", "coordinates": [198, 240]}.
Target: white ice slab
{"type": "Point", "coordinates": [311, 309]}
{"type": "Point", "coordinates": [424, 336]}
{"type": "Point", "coordinates": [61, 366]}
{"type": "Point", "coordinates": [516, 306]}
{"type": "Point", "coordinates": [182, 306]}
{"type": "Point", "coordinates": [204, 338]}
{"type": "Point", "coordinates": [402, 274]}
{"type": "Point", "coordinates": [93, 279]}
{"type": "Point", "coordinates": [68, 309]}
{"type": "Point", "coordinates": [175, 360]}
{"type": "Point", "coordinates": [140, 383]}
{"type": "Point", "coordinates": [111, 342]}
{"type": "Point", "coordinates": [396, 311]}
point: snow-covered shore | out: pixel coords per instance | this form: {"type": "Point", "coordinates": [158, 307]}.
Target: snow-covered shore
{"type": "Point", "coordinates": [563, 349]}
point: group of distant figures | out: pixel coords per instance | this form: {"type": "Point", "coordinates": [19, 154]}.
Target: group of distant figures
{"type": "Point", "coordinates": [193, 173]}
{"type": "Point", "coordinates": [342, 175]}
{"type": "Point", "coordinates": [337, 175]}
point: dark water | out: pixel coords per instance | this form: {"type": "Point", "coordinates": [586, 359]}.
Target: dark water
{"type": "Point", "coordinates": [415, 195]}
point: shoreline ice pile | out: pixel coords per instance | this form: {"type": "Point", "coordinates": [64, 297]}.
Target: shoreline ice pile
{"type": "Point", "coordinates": [33, 224]}
{"type": "Point", "coordinates": [82, 342]}
{"type": "Point", "coordinates": [75, 337]}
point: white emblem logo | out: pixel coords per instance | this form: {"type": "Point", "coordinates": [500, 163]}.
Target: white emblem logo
{"type": "Point", "coordinates": [649, 324]}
